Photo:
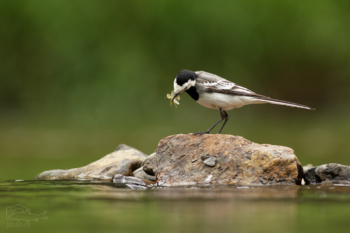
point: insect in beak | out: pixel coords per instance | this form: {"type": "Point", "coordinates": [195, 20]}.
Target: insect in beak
{"type": "Point", "coordinates": [174, 98]}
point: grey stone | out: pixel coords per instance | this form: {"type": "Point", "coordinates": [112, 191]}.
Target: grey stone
{"type": "Point", "coordinates": [144, 165]}
{"type": "Point", "coordinates": [141, 174]}
{"type": "Point", "coordinates": [210, 161]}
{"type": "Point", "coordinates": [130, 181]}
{"type": "Point", "coordinates": [120, 179]}
{"type": "Point", "coordinates": [124, 160]}
{"type": "Point", "coordinates": [148, 157]}
{"type": "Point", "coordinates": [324, 173]}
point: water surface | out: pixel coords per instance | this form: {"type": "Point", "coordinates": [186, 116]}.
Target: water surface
{"type": "Point", "coordinates": [107, 207]}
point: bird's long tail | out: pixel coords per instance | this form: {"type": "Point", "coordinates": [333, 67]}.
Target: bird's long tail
{"type": "Point", "coordinates": [282, 102]}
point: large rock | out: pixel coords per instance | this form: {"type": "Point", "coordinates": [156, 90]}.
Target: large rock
{"type": "Point", "coordinates": [124, 160]}
{"type": "Point", "coordinates": [327, 173]}
{"type": "Point", "coordinates": [222, 159]}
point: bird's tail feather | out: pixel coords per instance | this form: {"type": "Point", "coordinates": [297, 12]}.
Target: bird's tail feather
{"type": "Point", "coordinates": [282, 102]}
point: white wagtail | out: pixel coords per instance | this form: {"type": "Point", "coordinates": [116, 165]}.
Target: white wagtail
{"type": "Point", "coordinates": [215, 92]}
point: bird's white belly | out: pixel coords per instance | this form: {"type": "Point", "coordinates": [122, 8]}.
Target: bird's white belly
{"type": "Point", "coordinates": [224, 101]}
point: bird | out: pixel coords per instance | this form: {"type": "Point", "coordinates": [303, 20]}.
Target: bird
{"type": "Point", "coordinates": [215, 92]}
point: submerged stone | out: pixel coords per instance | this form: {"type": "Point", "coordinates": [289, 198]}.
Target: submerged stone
{"type": "Point", "coordinates": [179, 161]}
{"type": "Point", "coordinates": [129, 181]}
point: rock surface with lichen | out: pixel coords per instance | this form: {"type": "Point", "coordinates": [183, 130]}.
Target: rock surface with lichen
{"type": "Point", "coordinates": [218, 159]}
{"type": "Point", "coordinates": [124, 160]}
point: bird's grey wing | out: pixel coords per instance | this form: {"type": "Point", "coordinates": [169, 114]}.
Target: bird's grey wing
{"type": "Point", "coordinates": [213, 83]}
{"type": "Point", "coordinates": [208, 76]}
{"type": "Point", "coordinates": [236, 90]}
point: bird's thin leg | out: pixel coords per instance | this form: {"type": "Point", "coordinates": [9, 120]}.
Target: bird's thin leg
{"type": "Point", "coordinates": [223, 116]}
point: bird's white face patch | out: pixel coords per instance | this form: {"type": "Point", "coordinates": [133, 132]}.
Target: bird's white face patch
{"type": "Point", "coordinates": [179, 89]}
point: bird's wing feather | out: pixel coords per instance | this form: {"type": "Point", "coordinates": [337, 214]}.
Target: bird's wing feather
{"type": "Point", "coordinates": [237, 90]}
{"type": "Point", "coordinates": [214, 83]}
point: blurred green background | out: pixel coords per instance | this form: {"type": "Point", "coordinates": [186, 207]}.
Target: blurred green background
{"type": "Point", "coordinates": [78, 78]}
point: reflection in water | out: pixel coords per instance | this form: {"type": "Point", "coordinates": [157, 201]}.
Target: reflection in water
{"type": "Point", "coordinates": [73, 206]}
{"type": "Point", "coordinates": [206, 192]}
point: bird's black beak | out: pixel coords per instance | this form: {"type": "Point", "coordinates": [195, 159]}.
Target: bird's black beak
{"type": "Point", "coordinates": [176, 94]}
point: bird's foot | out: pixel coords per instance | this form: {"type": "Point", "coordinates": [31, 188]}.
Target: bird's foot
{"type": "Point", "coordinates": [203, 132]}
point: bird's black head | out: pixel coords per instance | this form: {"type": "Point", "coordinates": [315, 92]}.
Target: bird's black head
{"type": "Point", "coordinates": [184, 81]}
{"type": "Point", "coordinates": [184, 76]}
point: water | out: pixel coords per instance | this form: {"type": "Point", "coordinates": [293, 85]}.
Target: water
{"type": "Point", "coordinates": [106, 207]}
